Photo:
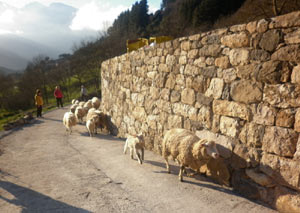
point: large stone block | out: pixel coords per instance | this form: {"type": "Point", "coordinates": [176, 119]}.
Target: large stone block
{"type": "Point", "coordinates": [215, 88]}
{"type": "Point", "coordinates": [171, 60]}
{"type": "Point", "coordinates": [285, 118]}
{"type": "Point", "coordinates": [297, 121]}
{"type": "Point", "coordinates": [252, 135]}
{"type": "Point", "coordinates": [270, 72]}
{"type": "Point", "coordinates": [288, 20]}
{"type": "Point", "coordinates": [270, 40]}
{"type": "Point", "coordinates": [210, 50]}
{"type": "Point", "coordinates": [281, 141]}
{"type": "Point", "coordinates": [282, 95]}
{"type": "Point", "coordinates": [175, 96]}
{"type": "Point", "coordinates": [229, 126]}
{"type": "Point", "coordinates": [249, 71]}
{"type": "Point", "coordinates": [287, 53]}
{"type": "Point", "coordinates": [239, 56]}
{"type": "Point", "coordinates": [297, 153]}
{"type": "Point", "coordinates": [259, 55]}
{"type": "Point", "coordinates": [260, 178]}
{"type": "Point", "coordinates": [205, 117]}
{"type": "Point", "coordinates": [232, 109]}
{"type": "Point", "coordinates": [282, 170]}
{"type": "Point", "coordinates": [188, 96]}
{"type": "Point", "coordinates": [228, 75]}
{"type": "Point", "coordinates": [292, 37]}
{"type": "Point", "coordinates": [244, 157]}
{"type": "Point", "coordinates": [222, 62]}
{"type": "Point", "coordinates": [295, 78]}
{"type": "Point", "coordinates": [200, 83]}
{"type": "Point", "coordinates": [286, 200]}
{"type": "Point", "coordinates": [246, 91]}
{"type": "Point", "coordinates": [236, 40]}
{"type": "Point", "coordinates": [139, 113]}
{"type": "Point", "coordinates": [263, 114]}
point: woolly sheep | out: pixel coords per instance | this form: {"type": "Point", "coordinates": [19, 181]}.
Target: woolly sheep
{"type": "Point", "coordinates": [88, 104]}
{"type": "Point", "coordinates": [69, 121]}
{"type": "Point", "coordinates": [73, 108]}
{"type": "Point", "coordinates": [77, 102]}
{"type": "Point", "coordinates": [73, 101]}
{"type": "Point", "coordinates": [81, 103]}
{"type": "Point", "coordinates": [95, 102]}
{"type": "Point", "coordinates": [187, 149]}
{"type": "Point", "coordinates": [101, 121]}
{"type": "Point", "coordinates": [91, 125]}
{"type": "Point", "coordinates": [80, 113]}
{"type": "Point", "coordinates": [135, 143]}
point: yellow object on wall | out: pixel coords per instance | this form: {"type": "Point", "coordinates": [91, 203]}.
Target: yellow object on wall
{"type": "Point", "coordinates": [136, 44]}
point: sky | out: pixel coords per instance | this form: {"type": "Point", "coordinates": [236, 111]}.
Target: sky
{"type": "Point", "coordinates": [60, 24]}
{"type": "Point", "coordinates": [91, 14]}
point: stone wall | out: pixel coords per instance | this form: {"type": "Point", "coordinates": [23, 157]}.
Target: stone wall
{"type": "Point", "coordinates": [239, 86]}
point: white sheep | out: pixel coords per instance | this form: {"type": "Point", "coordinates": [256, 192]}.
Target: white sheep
{"type": "Point", "coordinates": [76, 102]}
{"type": "Point", "coordinates": [101, 121]}
{"type": "Point", "coordinates": [73, 101]}
{"type": "Point", "coordinates": [187, 150]}
{"type": "Point", "coordinates": [88, 104]}
{"type": "Point", "coordinates": [73, 108]}
{"type": "Point", "coordinates": [135, 143]}
{"type": "Point", "coordinates": [95, 102]}
{"type": "Point", "coordinates": [81, 103]}
{"type": "Point", "coordinates": [91, 125]}
{"type": "Point", "coordinates": [69, 121]}
{"type": "Point", "coordinates": [80, 113]}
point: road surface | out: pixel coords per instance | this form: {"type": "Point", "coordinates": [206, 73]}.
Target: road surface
{"type": "Point", "coordinates": [43, 169]}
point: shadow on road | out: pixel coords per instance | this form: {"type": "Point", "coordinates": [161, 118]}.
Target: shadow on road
{"type": "Point", "coordinates": [198, 177]}
{"type": "Point", "coordinates": [52, 119]}
{"type": "Point", "coordinates": [8, 132]}
{"type": "Point", "coordinates": [32, 201]}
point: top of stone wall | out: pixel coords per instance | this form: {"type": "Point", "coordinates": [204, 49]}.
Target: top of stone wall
{"type": "Point", "coordinates": [213, 37]}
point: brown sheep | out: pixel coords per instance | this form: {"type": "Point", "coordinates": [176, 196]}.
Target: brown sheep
{"type": "Point", "coordinates": [187, 149]}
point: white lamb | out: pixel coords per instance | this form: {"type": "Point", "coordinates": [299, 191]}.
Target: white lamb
{"type": "Point", "coordinates": [135, 143]}
{"type": "Point", "coordinates": [69, 121]}
{"type": "Point", "coordinates": [187, 150]}
{"type": "Point", "coordinates": [80, 113]}
{"type": "Point", "coordinates": [91, 125]}
{"type": "Point", "coordinates": [95, 102]}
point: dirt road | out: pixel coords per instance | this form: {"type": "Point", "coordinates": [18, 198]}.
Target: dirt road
{"type": "Point", "coordinates": [42, 169]}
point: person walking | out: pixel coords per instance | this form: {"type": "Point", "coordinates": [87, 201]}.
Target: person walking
{"type": "Point", "coordinates": [58, 95]}
{"type": "Point", "coordinates": [39, 103]}
{"type": "Point", "coordinates": [83, 93]}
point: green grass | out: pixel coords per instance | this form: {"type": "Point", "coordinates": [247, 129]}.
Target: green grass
{"type": "Point", "coordinates": [6, 116]}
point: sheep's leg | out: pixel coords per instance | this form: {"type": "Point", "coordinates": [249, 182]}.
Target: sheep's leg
{"type": "Point", "coordinates": [182, 168]}
{"type": "Point", "coordinates": [167, 165]}
{"type": "Point", "coordinates": [143, 151]}
{"type": "Point", "coordinates": [138, 156]}
{"type": "Point", "coordinates": [131, 153]}
{"type": "Point", "coordinates": [125, 147]}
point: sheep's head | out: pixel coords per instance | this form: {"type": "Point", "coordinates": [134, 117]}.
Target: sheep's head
{"type": "Point", "coordinates": [206, 150]}
{"type": "Point", "coordinates": [211, 149]}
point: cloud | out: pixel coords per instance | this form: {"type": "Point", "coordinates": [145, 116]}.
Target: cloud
{"type": "Point", "coordinates": [94, 16]}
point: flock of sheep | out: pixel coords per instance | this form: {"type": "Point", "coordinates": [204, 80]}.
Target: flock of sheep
{"type": "Point", "coordinates": [180, 145]}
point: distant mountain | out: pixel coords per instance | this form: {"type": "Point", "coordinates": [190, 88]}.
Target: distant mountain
{"type": "Point", "coordinates": [16, 52]}
{"type": "Point", "coordinates": [8, 71]}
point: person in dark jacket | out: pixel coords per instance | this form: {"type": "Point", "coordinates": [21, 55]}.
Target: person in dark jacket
{"type": "Point", "coordinates": [58, 95]}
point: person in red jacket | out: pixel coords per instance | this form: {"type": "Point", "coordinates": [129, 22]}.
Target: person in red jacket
{"type": "Point", "coordinates": [58, 95]}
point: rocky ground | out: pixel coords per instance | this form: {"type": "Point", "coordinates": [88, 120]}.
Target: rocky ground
{"type": "Point", "coordinates": [43, 169]}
